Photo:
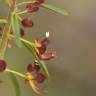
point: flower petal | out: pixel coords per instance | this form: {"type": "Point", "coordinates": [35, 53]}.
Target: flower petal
{"type": "Point", "coordinates": [48, 56]}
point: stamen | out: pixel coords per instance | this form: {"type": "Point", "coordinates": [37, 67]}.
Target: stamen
{"type": "Point", "coordinates": [47, 34]}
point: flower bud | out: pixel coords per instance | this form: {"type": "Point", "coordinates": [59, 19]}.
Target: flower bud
{"type": "Point", "coordinates": [32, 8]}
{"type": "Point", "coordinates": [27, 22]}
{"type": "Point", "coordinates": [29, 68]}
{"type": "Point", "coordinates": [40, 78]}
{"type": "Point", "coordinates": [2, 65]}
{"type": "Point", "coordinates": [40, 1]}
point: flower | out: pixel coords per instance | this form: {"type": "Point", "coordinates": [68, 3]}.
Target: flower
{"type": "Point", "coordinates": [2, 65]}
{"type": "Point", "coordinates": [34, 85]}
{"type": "Point", "coordinates": [41, 50]}
{"type": "Point", "coordinates": [40, 1]}
{"type": "Point", "coordinates": [35, 68]}
{"type": "Point", "coordinates": [35, 78]}
{"type": "Point", "coordinates": [48, 56]}
{"type": "Point", "coordinates": [27, 22]}
{"type": "Point", "coordinates": [30, 68]}
{"type": "Point", "coordinates": [40, 78]}
{"type": "Point", "coordinates": [32, 7]}
{"type": "Point", "coordinates": [22, 33]}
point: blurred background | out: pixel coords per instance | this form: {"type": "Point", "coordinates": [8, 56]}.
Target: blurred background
{"type": "Point", "coordinates": [73, 73]}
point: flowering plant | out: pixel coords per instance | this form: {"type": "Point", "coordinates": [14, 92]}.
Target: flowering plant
{"type": "Point", "coordinates": [12, 29]}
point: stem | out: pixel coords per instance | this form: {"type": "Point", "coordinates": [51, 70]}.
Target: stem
{"type": "Point", "coordinates": [15, 72]}
{"type": "Point", "coordinates": [22, 3]}
{"type": "Point", "coordinates": [22, 12]}
{"type": "Point", "coordinates": [6, 31]}
{"type": "Point", "coordinates": [23, 40]}
{"type": "Point", "coordinates": [4, 21]}
{"type": "Point", "coordinates": [33, 86]}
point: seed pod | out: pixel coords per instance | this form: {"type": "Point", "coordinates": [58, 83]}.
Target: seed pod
{"type": "Point", "coordinates": [27, 22]}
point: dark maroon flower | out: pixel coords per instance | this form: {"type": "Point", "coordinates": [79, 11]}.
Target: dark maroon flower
{"type": "Point", "coordinates": [36, 67]}
{"type": "Point", "coordinates": [2, 65]}
{"type": "Point", "coordinates": [48, 56]}
{"type": "Point", "coordinates": [42, 49]}
{"type": "Point", "coordinates": [40, 78]}
{"type": "Point", "coordinates": [32, 8]}
{"type": "Point", "coordinates": [30, 68]}
{"type": "Point", "coordinates": [22, 33]}
{"type": "Point", "coordinates": [40, 1]}
{"type": "Point", "coordinates": [27, 22]}
{"type": "Point", "coordinates": [45, 41]}
{"type": "Point", "coordinates": [44, 44]}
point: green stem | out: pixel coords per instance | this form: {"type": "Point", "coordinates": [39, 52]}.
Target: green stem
{"type": "Point", "coordinates": [23, 40]}
{"type": "Point", "coordinates": [3, 21]}
{"type": "Point", "coordinates": [27, 2]}
{"type": "Point", "coordinates": [6, 31]}
{"type": "Point", "coordinates": [15, 72]}
{"type": "Point", "coordinates": [22, 12]}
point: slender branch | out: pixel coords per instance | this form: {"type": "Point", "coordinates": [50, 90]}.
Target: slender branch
{"type": "Point", "coordinates": [23, 40]}
{"type": "Point", "coordinates": [4, 21]}
{"type": "Point", "coordinates": [4, 39]}
{"type": "Point", "coordinates": [15, 72]}
{"type": "Point", "coordinates": [22, 12]}
{"type": "Point", "coordinates": [27, 2]}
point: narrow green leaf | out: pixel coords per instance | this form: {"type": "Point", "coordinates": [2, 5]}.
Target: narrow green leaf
{"type": "Point", "coordinates": [55, 9]}
{"type": "Point", "coordinates": [44, 67]}
{"type": "Point", "coordinates": [16, 30]}
{"type": "Point", "coordinates": [15, 84]}
{"type": "Point", "coordinates": [33, 52]}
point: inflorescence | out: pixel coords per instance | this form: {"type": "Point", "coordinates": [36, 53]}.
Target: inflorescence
{"type": "Point", "coordinates": [36, 73]}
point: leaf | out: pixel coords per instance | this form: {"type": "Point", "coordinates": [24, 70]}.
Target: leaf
{"type": "Point", "coordinates": [55, 9]}
{"type": "Point", "coordinates": [16, 30]}
{"type": "Point", "coordinates": [15, 84]}
{"type": "Point", "coordinates": [33, 52]}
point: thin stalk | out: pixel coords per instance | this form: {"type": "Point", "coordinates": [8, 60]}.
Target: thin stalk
{"type": "Point", "coordinates": [3, 21]}
{"type": "Point", "coordinates": [23, 40]}
{"type": "Point", "coordinates": [27, 2]}
{"type": "Point", "coordinates": [15, 73]}
{"type": "Point", "coordinates": [22, 12]}
{"type": "Point", "coordinates": [6, 31]}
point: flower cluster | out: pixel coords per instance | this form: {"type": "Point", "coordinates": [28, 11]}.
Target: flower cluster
{"type": "Point", "coordinates": [13, 28]}
{"type": "Point", "coordinates": [41, 50]}
{"type": "Point", "coordinates": [35, 77]}
{"type": "Point", "coordinates": [34, 7]}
